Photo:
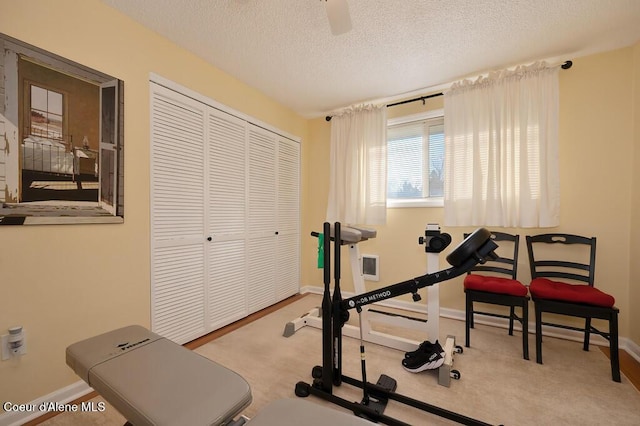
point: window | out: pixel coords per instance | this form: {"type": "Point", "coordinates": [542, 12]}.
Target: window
{"type": "Point", "coordinates": [46, 113]}
{"type": "Point", "coordinates": [415, 160]}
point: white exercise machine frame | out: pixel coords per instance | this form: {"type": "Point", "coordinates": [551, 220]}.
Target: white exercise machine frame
{"type": "Point", "coordinates": [368, 316]}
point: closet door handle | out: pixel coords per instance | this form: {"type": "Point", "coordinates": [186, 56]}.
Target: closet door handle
{"type": "Point", "coordinates": [209, 238]}
{"type": "Point", "coordinates": [276, 232]}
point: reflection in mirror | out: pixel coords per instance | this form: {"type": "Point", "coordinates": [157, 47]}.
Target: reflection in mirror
{"type": "Point", "coordinates": [61, 139]}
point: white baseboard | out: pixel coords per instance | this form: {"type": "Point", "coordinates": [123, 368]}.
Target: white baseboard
{"type": "Point", "coordinates": [624, 343]}
{"type": "Point", "coordinates": [631, 348]}
{"type": "Point", "coordinates": [61, 396]}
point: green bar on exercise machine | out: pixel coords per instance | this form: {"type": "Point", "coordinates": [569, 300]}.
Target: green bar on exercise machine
{"type": "Point", "coordinates": [320, 251]}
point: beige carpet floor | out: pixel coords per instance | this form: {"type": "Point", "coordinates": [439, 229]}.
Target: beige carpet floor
{"type": "Point", "coordinates": [497, 386]}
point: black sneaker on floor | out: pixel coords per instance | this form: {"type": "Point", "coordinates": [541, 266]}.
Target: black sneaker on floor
{"type": "Point", "coordinates": [423, 361]}
{"type": "Point", "coordinates": [426, 347]}
{"type": "Point", "coordinates": [438, 348]}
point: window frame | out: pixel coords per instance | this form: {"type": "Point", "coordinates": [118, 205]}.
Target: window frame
{"type": "Point", "coordinates": [415, 202]}
{"type": "Point", "coordinates": [28, 96]}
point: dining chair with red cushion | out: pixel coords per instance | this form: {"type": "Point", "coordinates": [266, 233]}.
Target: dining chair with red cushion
{"type": "Point", "coordinates": [494, 282]}
{"type": "Point", "coordinates": [562, 282]}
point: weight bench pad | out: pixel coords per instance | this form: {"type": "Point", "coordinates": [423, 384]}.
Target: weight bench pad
{"type": "Point", "coordinates": [151, 380]}
{"type": "Point", "coordinates": [347, 235]}
{"type": "Point", "coordinates": [366, 232]}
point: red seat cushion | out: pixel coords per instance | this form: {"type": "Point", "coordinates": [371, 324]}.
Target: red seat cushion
{"type": "Point", "coordinates": [544, 288]}
{"type": "Point", "coordinates": [494, 285]}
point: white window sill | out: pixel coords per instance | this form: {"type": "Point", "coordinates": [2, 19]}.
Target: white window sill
{"type": "Point", "coordinates": [424, 202]}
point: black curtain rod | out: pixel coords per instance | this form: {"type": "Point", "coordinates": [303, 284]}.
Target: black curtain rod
{"type": "Point", "coordinates": [421, 98]}
{"type": "Point", "coordinates": [565, 66]}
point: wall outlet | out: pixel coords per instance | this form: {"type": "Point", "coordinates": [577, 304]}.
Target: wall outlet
{"type": "Point", "coordinates": [6, 351]}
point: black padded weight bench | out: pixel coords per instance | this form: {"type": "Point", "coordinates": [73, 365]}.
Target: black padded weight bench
{"type": "Point", "coordinates": [151, 380]}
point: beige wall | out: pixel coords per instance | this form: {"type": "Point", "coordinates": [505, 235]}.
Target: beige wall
{"type": "Point", "coordinates": [596, 171]}
{"type": "Point", "coordinates": [43, 284]}
{"type": "Point", "coordinates": [634, 283]}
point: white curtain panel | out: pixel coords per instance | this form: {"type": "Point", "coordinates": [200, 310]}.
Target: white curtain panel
{"type": "Point", "coordinates": [358, 166]}
{"type": "Point", "coordinates": [501, 155]}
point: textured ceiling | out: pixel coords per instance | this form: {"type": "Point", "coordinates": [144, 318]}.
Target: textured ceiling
{"type": "Point", "coordinates": [285, 48]}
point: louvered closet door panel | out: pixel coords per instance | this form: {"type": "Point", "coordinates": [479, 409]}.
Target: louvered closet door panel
{"type": "Point", "coordinates": [288, 245]}
{"type": "Point", "coordinates": [227, 219]}
{"type": "Point", "coordinates": [177, 216]}
{"type": "Point", "coordinates": [262, 218]}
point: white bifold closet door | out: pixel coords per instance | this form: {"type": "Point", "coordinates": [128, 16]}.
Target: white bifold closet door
{"type": "Point", "coordinates": [273, 223]}
{"type": "Point", "coordinates": [262, 217]}
{"type": "Point", "coordinates": [288, 202]}
{"type": "Point", "coordinates": [225, 224]}
{"type": "Point", "coordinates": [227, 280]}
{"type": "Point", "coordinates": [177, 217]}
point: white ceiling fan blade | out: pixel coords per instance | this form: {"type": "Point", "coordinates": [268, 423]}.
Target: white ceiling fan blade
{"type": "Point", "coordinates": [338, 14]}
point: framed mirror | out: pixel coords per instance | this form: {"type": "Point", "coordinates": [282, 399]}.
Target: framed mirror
{"type": "Point", "coordinates": [61, 139]}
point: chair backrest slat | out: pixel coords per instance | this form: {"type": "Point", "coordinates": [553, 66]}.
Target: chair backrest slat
{"type": "Point", "coordinates": [562, 264]}
{"type": "Point", "coordinates": [565, 275]}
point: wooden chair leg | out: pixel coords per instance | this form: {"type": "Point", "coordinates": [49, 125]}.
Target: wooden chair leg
{"type": "Point", "coordinates": [468, 322]}
{"type": "Point", "coordinates": [613, 347]}
{"type": "Point", "coordinates": [587, 333]}
{"type": "Point", "coordinates": [512, 314]}
{"type": "Point", "coordinates": [538, 334]}
{"type": "Point", "coordinates": [525, 330]}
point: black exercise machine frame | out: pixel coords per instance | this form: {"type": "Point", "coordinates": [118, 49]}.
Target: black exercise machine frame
{"type": "Point", "coordinates": [476, 248]}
